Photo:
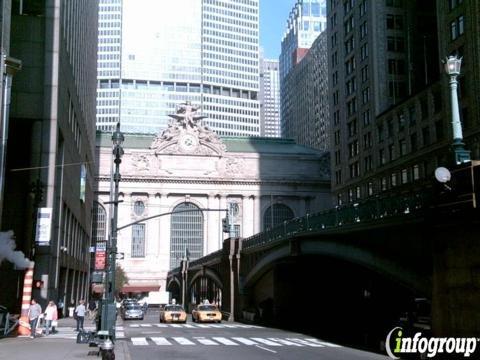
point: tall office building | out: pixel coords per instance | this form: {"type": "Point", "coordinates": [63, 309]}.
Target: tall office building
{"type": "Point", "coordinates": [305, 116]}
{"type": "Point", "coordinates": [154, 55]}
{"type": "Point", "coordinates": [306, 21]}
{"type": "Point", "coordinates": [51, 129]}
{"type": "Point", "coordinates": [269, 98]}
{"type": "Point", "coordinates": [389, 97]}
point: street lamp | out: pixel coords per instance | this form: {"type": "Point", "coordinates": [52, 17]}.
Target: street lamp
{"type": "Point", "coordinates": [109, 311]}
{"type": "Point", "coordinates": [452, 68]}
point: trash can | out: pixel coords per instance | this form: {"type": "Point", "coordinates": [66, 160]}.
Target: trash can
{"type": "Point", "coordinates": [70, 311]}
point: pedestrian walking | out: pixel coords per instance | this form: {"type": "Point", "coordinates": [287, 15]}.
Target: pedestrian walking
{"type": "Point", "coordinates": [92, 309]}
{"type": "Point", "coordinates": [51, 314]}
{"type": "Point", "coordinates": [33, 315]}
{"type": "Point", "coordinates": [80, 314]}
{"type": "Point", "coordinates": [60, 308]}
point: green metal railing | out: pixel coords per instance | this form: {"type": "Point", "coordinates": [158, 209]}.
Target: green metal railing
{"type": "Point", "coordinates": [362, 213]}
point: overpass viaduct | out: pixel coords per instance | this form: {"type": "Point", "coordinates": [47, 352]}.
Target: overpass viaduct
{"type": "Point", "coordinates": [355, 268]}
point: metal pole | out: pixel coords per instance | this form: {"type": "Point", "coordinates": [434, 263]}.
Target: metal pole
{"type": "Point", "coordinates": [456, 124]}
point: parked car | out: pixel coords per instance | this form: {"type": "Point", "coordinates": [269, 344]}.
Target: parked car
{"type": "Point", "coordinates": [173, 313]}
{"type": "Point", "coordinates": [132, 311]}
{"type": "Point", "coordinates": [206, 313]}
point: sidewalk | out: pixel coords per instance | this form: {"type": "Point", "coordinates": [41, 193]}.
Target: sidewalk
{"type": "Point", "coordinates": [53, 348]}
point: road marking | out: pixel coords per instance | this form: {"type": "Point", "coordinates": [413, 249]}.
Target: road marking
{"type": "Point", "coordinates": [135, 325]}
{"type": "Point", "coordinates": [160, 341]}
{"type": "Point", "coordinates": [176, 325]}
{"type": "Point", "coordinates": [285, 342]}
{"type": "Point", "coordinates": [322, 342]}
{"type": "Point", "coordinates": [188, 326]}
{"type": "Point", "coordinates": [206, 341]}
{"type": "Point", "coordinates": [224, 341]}
{"type": "Point", "coordinates": [217, 326]}
{"type": "Point", "coordinates": [266, 342]}
{"type": "Point", "coordinates": [120, 335]}
{"type": "Point", "coordinates": [244, 341]}
{"type": "Point", "coordinates": [183, 341]}
{"type": "Point", "coordinates": [261, 347]}
{"type": "Point", "coordinates": [146, 325]}
{"type": "Point", "coordinates": [161, 325]}
{"type": "Point", "coordinates": [203, 325]}
{"type": "Point", "coordinates": [304, 342]}
{"type": "Point", "coordinates": [141, 341]}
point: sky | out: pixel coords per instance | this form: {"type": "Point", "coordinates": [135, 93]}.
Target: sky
{"type": "Point", "coordinates": [273, 19]}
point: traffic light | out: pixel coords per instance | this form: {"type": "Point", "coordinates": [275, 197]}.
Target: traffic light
{"type": "Point", "coordinates": [37, 284]}
{"type": "Point", "coordinates": [225, 225]}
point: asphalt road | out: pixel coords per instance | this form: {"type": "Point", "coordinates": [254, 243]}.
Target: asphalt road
{"type": "Point", "coordinates": [148, 339]}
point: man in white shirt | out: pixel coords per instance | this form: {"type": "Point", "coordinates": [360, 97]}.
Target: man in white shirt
{"type": "Point", "coordinates": [80, 313]}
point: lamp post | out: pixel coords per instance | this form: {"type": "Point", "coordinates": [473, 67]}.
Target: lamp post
{"type": "Point", "coordinates": [452, 68]}
{"type": "Point", "coordinates": [109, 309]}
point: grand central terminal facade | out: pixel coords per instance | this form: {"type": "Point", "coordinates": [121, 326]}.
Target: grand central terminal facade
{"type": "Point", "coordinates": [265, 180]}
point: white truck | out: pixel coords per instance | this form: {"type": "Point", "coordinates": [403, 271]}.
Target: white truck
{"type": "Point", "coordinates": [157, 298]}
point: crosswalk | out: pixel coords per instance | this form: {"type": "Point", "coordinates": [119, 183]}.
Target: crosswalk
{"type": "Point", "coordinates": [66, 332]}
{"type": "Point", "coordinates": [230, 341]}
{"type": "Point", "coordinates": [196, 326]}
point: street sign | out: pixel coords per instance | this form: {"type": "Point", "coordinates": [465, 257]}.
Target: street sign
{"type": "Point", "coordinates": [100, 255]}
{"type": "Point", "coordinates": [44, 225]}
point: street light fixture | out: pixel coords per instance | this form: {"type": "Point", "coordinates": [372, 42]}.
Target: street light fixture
{"type": "Point", "coordinates": [452, 68]}
{"type": "Point", "coordinates": [109, 311]}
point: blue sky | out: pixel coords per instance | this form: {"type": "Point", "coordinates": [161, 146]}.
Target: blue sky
{"type": "Point", "coordinates": [273, 17]}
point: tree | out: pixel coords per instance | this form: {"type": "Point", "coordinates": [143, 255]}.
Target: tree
{"type": "Point", "coordinates": [120, 278]}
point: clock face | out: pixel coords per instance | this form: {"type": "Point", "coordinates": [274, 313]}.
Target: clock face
{"type": "Point", "coordinates": [188, 142]}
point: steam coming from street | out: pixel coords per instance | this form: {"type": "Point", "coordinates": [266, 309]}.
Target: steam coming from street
{"type": "Point", "coordinates": [7, 247]}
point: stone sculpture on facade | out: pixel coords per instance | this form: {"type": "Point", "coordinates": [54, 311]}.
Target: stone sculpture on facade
{"type": "Point", "coordinates": [185, 135]}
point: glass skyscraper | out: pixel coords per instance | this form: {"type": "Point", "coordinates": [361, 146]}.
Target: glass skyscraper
{"type": "Point", "coordinates": [163, 53]}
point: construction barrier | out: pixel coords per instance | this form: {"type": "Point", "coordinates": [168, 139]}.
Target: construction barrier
{"type": "Point", "coordinates": [24, 323]}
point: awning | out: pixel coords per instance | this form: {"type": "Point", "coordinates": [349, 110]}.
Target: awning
{"type": "Point", "coordinates": [140, 288]}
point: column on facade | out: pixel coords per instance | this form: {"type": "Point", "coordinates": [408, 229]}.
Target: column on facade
{"type": "Point", "coordinates": [213, 219]}
{"type": "Point", "coordinates": [257, 216]}
{"type": "Point", "coordinates": [164, 236]}
{"type": "Point", "coordinates": [247, 216]}
{"type": "Point", "coordinates": [222, 204]}
{"type": "Point", "coordinates": [153, 226]}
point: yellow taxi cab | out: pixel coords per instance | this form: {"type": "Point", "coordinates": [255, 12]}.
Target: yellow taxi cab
{"type": "Point", "coordinates": [173, 313]}
{"type": "Point", "coordinates": [206, 313]}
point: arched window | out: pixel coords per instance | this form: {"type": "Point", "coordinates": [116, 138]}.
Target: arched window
{"type": "Point", "coordinates": [276, 217]}
{"type": "Point", "coordinates": [186, 234]}
{"type": "Point", "coordinates": [99, 226]}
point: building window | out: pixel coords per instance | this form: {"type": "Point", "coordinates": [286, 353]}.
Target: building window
{"type": "Point", "coordinates": [363, 52]}
{"type": "Point", "coordinates": [412, 116]}
{"type": "Point", "coordinates": [348, 25]}
{"type": "Point", "coordinates": [457, 27]}
{"type": "Point", "coordinates": [396, 67]}
{"type": "Point", "coordinates": [363, 30]}
{"type": "Point", "coordinates": [352, 128]}
{"type": "Point", "coordinates": [368, 163]}
{"type": "Point", "coordinates": [426, 136]}
{"type": "Point", "coordinates": [404, 176]}
{"type": "Point", "coordinates": [370, 188]}
{"type": "Point", "coordinates": [186, 233]}
{"type": "Point", "coordinates": [351, 107]}
{"type": "Point", "coordinates": [280, 214]}
{"type": "Point", "coordinates": [138, 240]}
{"type": "Point", "coordinates": [381, 156]}
{"type": "Point", "coordinates": [452, 4]}
{"type": "Point", "coordinates": [366, 118]}
{"type": "Point", "coordinates": [338, 177]}
{"type": "Point", "coordinates": [138, 208]}
{"type": "Point", "coordinates": [391, 152]}
{"type": "Point", "coordinates": [367, 140]}
{"type": "Point", "coordinates": [350, 86]}
{"type": "Point", "coordinates": [402, 144]}
{"type": "Point", "coordinates": [363, 7]}
{"type": "Point", "coordinates": [380, 132]}
{"type": "Point", "coordinates": [366, 95]}
{"type": "Point", "coordinates": [353, 149]}
{"type": "Point", "coordinates": [416, 172]}
{"type": "Point", "coordinates": [413, 142]}
{"type": "Point", "coordinates": [354, 170]}
{"type": "Point", "coordinates": [349, 45]}
{"type": "Point", "coordinates": [350, 65]}
{"type": "Point", "coordinates": [365, 73]}
{"type": "Point", "coordinates": [99, 226]}
{"type": "Point", "coordinates": [394, 22]}
{"type": "Point", "coordinates": [395, 43]}
{"type": "Point", "coordinates": [393, 179]}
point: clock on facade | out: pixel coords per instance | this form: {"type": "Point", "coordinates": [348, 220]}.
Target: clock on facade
{"type": "Point", "coordinates": [188, 142]}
